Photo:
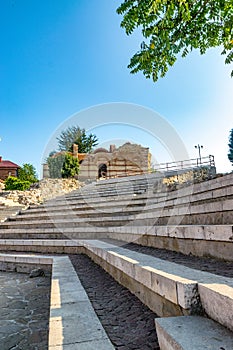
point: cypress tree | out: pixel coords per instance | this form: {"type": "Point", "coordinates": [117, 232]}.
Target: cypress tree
{"type": "Point", "coordinates": [230, 144]}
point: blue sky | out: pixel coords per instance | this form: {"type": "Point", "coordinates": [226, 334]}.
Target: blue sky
{"type": "Point", "coordinates": [61, 57]}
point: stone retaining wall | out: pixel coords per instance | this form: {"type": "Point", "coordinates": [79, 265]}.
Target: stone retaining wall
{"type": "Point", "coordinates": [46, 189]}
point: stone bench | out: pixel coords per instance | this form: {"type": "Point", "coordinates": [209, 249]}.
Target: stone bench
{"type": "Point", "coordinates": [200, 240]}
{"type": "Point", "coordinates": [181, 290]}
{"type": "Point", "coordinates": [45, 246]}
{"type": "Point", "coordinates": [217, 185]}
{"type": "Point", "coordinates": [170, 210]}
{"type": "Point", "coordinates": [149, 214]}
{"type": "Point", "coordinates": [169, 289]}
{"type": "Point", "coordinates": [24, 263]}
{"type": "Point", "coordinates": [192, 333]}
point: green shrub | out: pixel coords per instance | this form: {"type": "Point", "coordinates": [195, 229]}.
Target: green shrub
{"type": "Point", "coordinates": [70, 167]}
{"type": "Point", "coordinates": [12, 183]}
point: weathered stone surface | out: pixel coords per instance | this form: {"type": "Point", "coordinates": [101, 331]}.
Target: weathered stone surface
{"type": "Point", "coordinates": [36, 273]}
{"type": "Point", "coordinates": [217, 301]}
{"type": "Point", "coordinates": [192, 333]}
{"type": "Point", "coordinates": [24, 311]}
{"type": "Point", "coordinates": [48, 189]}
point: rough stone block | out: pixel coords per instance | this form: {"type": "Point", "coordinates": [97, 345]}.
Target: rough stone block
{"type": "Point", "coordinates": [187, 295]}
{"type": "Point", "coordinates": [164, 284]}
{"type": "Point", "coordinates": [192, 333]}
{"type": "Point", "coordinates": [217, 301]}
{"type": "Point", "coordinates": [143, 275]}
{"type": "Point", "coordinates": [124, 263]}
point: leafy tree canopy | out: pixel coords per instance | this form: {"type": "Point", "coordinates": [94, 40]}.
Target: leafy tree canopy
{"type": "Point", "coordinates": [75, 134]}
{"type": "Point", "coordinates": [27, 173]}
{"type": "Point", "coordinates": [230, 154]}
{"type": "Point", "coordinates": [173, 27]}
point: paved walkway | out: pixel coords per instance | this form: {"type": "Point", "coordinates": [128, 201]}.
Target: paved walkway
{"type": "Point", "coordinates": [24, 311]}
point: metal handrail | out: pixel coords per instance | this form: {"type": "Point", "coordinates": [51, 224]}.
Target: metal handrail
{"type": "Point", "coordinates": [185, 164]}
{"type": "Point", "coordinates": [172, 166]}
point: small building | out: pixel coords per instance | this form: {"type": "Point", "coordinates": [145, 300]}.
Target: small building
{"type": "Point", "coordinates": [128, 159]}
{"type": "Point", "coordinates": [8, 168]}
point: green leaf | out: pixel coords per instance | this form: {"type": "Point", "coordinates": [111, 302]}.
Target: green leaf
{"type": "Point", "coordinates": [176, 27]}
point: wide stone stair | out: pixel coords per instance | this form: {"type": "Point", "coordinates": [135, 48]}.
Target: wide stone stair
{"type": "Point", "coordinates": [196, 219]}
{"type": "Point", "coordinates": [175, 220]}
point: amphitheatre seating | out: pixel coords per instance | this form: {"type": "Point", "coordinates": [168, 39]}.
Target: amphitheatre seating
{"type": "Point", "coordinates": [6, 212]}
{"type": "Point", "coordinates": [176, 220]}
{"type": "Point", "coordinates": [195, 219]}
{"type": "Point", "coordinates": [167, 288]}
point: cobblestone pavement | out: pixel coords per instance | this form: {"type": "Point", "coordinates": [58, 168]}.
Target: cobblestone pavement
{"type": "Point", "coordinates": [218, 267]}
{"type": "Point", "coordinates": [128, 323]}
{"type": "Point", "coordinates": [24, 311]}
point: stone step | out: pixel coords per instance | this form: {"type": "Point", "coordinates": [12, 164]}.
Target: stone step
{"type": "Point", "coordinates": [208, 192]}
{"type": "Point", "coordinates": [55, 232]}
{"type": "Point", "coordinates": [6, 212]}
{"type": "Point", "coordinates": [105, 206]}
{"type": "Point", "coordinates": [128, 233]}
{"type": "Point", "coordinates": [169, 289]}
{"type": "Point", "coordinates": [151, 214]}
{"type": "Point", "coordinates": [178, 207]}
{"type": "Point", "coordinates": [184, 196]}
{"type": "Point", "coordinates": [45, 246]}
{"type": "Point", "coordinates": [94, 200]}
{"type": "Point", "coordinates": [213, 241]}
{"type": "Point", "coordinates": [105, 193]}
{"type": "Point", "coordinates": [192, 232]}
{"type": "Point", "coordinates": [187, 289]}
{"type": "Point", "coordinates": [138, 218]}
{"type": "Point", "coordinates": [91, 202]}
{"type": "Point", "coordinates": [34, 235]}
{"type": "Point", "coordinates": [74, 213]}
{"type": "Point", "coordinates": [207, 198]}
{"type": "Point", "coordinates": [71, 222]}
{"type": "Point", "coordinates": [176, 197]}
{"type": "Point", "coordinates": [214, 183]}
{"type": "Point", "coordinates": [200, 187]}
{"type": "Point", "coordinates": [192, 333]}
{"type": "Point", "coordinates": [219, 184]}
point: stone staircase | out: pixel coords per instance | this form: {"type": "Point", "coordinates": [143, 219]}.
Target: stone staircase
{"type": "Point", "coordinates": [7, 212]}
{"type": "Point", "coordinates": [176, 220]}
{"type": "Point", "coordinates": [196, 219]}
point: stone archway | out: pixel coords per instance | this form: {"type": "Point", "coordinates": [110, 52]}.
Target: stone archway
{"type": "Point", "coordinates": [102, 171]}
